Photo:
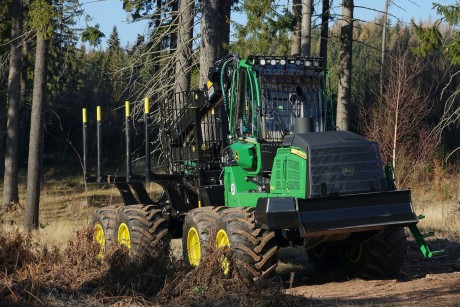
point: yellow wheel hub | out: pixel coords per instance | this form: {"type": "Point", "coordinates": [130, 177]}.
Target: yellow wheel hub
{"type": "Point", "coordinates": [193, 247]}
{"type": "Point", "coordinates": [224, 243]}
{"type": "Point", "coordinates": [99, 237]}
{"type": "Point", "coordinates": [123, 236]}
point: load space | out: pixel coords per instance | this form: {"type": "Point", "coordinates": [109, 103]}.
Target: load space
{"type": "Point", "coordinates": [253, 163]}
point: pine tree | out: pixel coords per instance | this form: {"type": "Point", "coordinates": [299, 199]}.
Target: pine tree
{"type": "Point", "coordinates": [5, 36]}
{"type": "Point", "coordinates": [215, 34]}
{"type": "Point", "coordinates": [344, 88]}
{"type": "Point", "coordinates": [266, 31]}
{"type": "Point", "coordinates": [297, 28]}
{"type": "Point", "coordinates": [113, 43]}
{"type": "Point", "coordinates": [42, 13]}
{"type": "Point", "coordinates": [10, 182]}
{"type": "Point", "coordinates": [324, 31]}
{"type": "Point", "coordinates": [307, 10]}
{"type": "Point", "coordinates": [184, 46]}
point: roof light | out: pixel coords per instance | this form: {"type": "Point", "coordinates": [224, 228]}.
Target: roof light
{"type": "Point", "coordinates": [262, 62]}
{"type": "Point", "coordinates": [273, 62]}
{"type": "Point", "coordinates": [283, 62]}
{"type": "Point", "coordinates": [316, 63]}
{"type": "Point", "coordinates": [297, 62]}
{"type": "Point", "coordinates": [307, 63]}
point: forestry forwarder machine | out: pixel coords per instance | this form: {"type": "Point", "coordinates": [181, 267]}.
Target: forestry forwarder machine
{"type": "Point", "coordinates": [255, 163]}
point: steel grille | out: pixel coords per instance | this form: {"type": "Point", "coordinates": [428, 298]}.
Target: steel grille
{"type": "Point", "coordinates": [346, 170]}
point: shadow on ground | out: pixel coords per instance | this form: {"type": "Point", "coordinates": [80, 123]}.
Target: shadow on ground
{"type": "Point", "coordinates": [425, 282]}
{"type": "Point", "coordinates": [295, 270]}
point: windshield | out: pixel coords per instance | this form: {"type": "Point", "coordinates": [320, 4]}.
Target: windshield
{"type": "Point", "coordinates": [268, 99]}
{"type": "Point", "coordinates": [287, 94]}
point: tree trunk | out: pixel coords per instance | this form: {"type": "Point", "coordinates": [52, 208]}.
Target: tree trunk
{"type": "Point", "coordinates": [10, 182]}
{"type": "Point", "coordinates": [344, 88]}
{"type": "Point", "coordinates": [224, 9]}
{"type": "Point", "coordinates": [157, 47]}
{"type": "Point", "coordinates": [297, 31]}
{"type": "Point", "coordinates": [3, 117]}
{"type": "Point", "coordinates": [23, 133]}
{"type": "Point", "coordinates": [184, 45]}
{"type": "Point", "coordinates": [395, 135]}
{"type": "Point", "coordinates": [173, 35]}
{"type": "Point", "coordinates": [215, 34]}
{"type": "Point", "coordinates": [307, 9]}
{"type": "Point", "coordinates": [324, 32]}
{"type": "Point", "coordinates": [209, 38]}
{"type": "Point", "coordinates": [34, 167]}
{"type": "Point", "coordinates": [2, 127]}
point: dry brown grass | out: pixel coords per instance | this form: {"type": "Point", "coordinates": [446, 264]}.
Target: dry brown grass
{"type": "Point", "coordinates": [43, 270]}
{"type": "Point", "coordinates": [438, 201]}
{"type": "Point", "coordinates": [59, 266]}
{"type": "Point", "coordinates": [34, 274]}
{"type": "Point", "coordinates": [65, 203]}
{"type": "Point", "coordinates": [206, 285]}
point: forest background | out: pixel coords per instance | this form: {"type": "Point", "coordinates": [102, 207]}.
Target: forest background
{"type": "Point", "coordinates": [393, 82]}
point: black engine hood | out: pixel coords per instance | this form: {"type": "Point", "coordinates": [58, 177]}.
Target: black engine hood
{"type": "Point", "coordinates": [314, 139]}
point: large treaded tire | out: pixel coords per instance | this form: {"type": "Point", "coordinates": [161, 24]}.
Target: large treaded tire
{"type": "Point", "coordinates": [325, 258]}
{"type": "Point", "coordinates": [379, 258]}
{"type": "Point", "coordinates": [105, 219]}
{"type": "Point", "coordinates": [203, 221]}
{"type": "Point", "coordinates": [254, 250]}
{"type": "Point", "coordinates": [148, 230]}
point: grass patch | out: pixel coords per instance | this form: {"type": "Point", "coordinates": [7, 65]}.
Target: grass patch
{"type": "Point", "coordinates": [438, 201]}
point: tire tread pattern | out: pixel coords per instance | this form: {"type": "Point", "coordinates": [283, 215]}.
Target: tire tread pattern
{"type": "Point", "coordinates": [383, 255]}
{"type": "Point", "coordinates": [255, 250]}
{"type": "Point", "coordinates": [105, 217]}
{"type": "Point", "coordinates": [204, 220]}
{"type": "Point", "coordinates": [147, 227]}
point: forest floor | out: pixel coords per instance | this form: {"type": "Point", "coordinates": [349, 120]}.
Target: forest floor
{"type": "Point", "coordinates": [423, 282]}
{"type": "Point", "coordinates": [67, 204]}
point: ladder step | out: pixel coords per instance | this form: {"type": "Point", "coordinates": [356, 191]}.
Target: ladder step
{"type": "Point", "coordinates": [437, 253]}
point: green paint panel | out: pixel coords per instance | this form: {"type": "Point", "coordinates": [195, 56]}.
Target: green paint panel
{"type": "Point", "coordinates": [278, 178]}
{"type": "Point", "coordinates": [238, 192]}
{"type": "Point", "coordinates": [245, 155]}
{"type": "Point", "coordinates": [288, 179]}
{"type": "Point", "coordinates": [289, 174]}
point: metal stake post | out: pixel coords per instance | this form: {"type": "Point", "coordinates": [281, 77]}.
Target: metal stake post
{"type": "Point", "coordinates": [128, 141]}
{"type": "Point", "coordinates": [99, 146]}
{"type": "Point", "coordinates": [147, 140]}
{"type": "Point", "coordinates": [85, 147]}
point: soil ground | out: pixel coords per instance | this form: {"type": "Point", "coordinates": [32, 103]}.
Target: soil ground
{"type": "Point", "coordinates": [423, 282]}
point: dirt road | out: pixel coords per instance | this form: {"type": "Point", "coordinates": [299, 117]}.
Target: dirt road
{"type": "Point", "coordinates": [423, 282]}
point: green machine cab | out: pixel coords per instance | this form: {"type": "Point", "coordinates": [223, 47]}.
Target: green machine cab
{"type": "Point", "coordinates": [288, 161]}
